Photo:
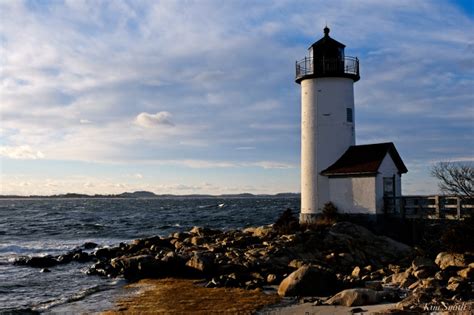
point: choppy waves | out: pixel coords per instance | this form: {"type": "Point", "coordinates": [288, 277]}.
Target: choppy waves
{"type": "Point", "coordinates": [40, 227]}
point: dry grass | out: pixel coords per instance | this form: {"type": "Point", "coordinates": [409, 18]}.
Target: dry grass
{"type": "Point", "coordinates": [180, 296]}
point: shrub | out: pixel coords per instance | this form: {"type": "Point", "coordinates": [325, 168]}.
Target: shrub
{"type": "Point", "coordinates": [287, 223]}
{"type": "Point", "coordinates": [330, 211]}
{"type": "Point", "coordinates": [458, 237]}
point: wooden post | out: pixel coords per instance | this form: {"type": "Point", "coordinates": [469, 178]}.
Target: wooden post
{"type": "Point", "coordinates": [402, 207]}
{"type": "Point", "coordinates": [437, 207]}
{"type": "Point", "coordinates": [458, 207]}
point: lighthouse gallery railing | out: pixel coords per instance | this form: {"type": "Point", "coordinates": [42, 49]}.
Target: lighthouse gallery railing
{"type": "Point", "coordinates": [327, 66]}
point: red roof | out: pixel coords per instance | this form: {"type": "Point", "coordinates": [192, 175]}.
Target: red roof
{"type": "Point", "coordinates": [365, 159]}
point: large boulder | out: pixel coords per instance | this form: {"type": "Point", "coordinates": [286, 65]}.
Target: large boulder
{"type": "Point", "coordinates": [201, 263]}
{"type": "Point", "coordinates": [37, 262]}
{"type": "Point", "coordinates": [415, 299]}
{"type": "Point", "coordinates": [204, 231]}
{"type": "Point", "coordinates": [107, 252]}
{"type": "Point", "coordinates": [467, 273]}
{"type": "Point", "coordinates": [102, 268]}
{"type": "Point", "coordinates": [445, 260]}
{"type": "Point", "coordinates": [364, 246]}
{"type": "Point", "coordinates": [263, 231]}
{"type": "Point", "coordinates": [309, 281]}
{"type": "Point", "coordinates": [356, 297]}
{"type": "Point", "coordinates": [358, 272]}
{"type": "Point", "coordinates": [403, 279]}
{"type": "Point", "coordinates": [458, 285]}
{"type": "Point", "coordinates": [421, 262]}
{"type": "Point", "coordinates": [423, 267]}
{"type": "Point", "coordinates": [138, 267]}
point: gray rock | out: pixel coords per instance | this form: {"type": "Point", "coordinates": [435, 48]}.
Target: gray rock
{"type": "Point", "coordinates": [271, 278]}
{"type": "Point", "coordinates": [204, 231]}
{"type": "Point", "coordinates": [138, 267]}
{"type": "Point", "coordinates": [423, 263]}
{"type": "Point", "coordinates": [37, 262]}
{"type": "Point", "coordinates": [423, 273]}
{"type": "Point", "coordinates": [81, 256]}
{"type": "Point", "coordinates": [445, 260]}
{"type": "Point", "coordinates": [197, 240]}
{"type": "Point", "coordinates": [201, 263]}
{"type": "Point", "coordinates": [308, 281]}
{"type": "Point", "coordinates": [403, 279]}
{"type": "Point", "coordinates": [414, 299]}
{"type": "Point", "coordinates": [467, 273]}
{"type": "Point", "coordinates": [296, 263]}
{"type": "Point", "coordinates": [263, 231]}
{"type": "Point", "coordinates": [458, 285]}
{"type": "Point", "coordinates": [102, 268]}
{"type": "Point", "coordinates": [425, 284]}
{"type": "Point", "coordinates": [374, 285]}
{"type": "Point", "coordinates": [107, 252]}
{"type": "Point", "coordinates": [89, 245]}
{"type": "Point", "coordinates": [358, 272]}
{"type": "Point", "coordinates": [355, 297]}
{"type": "Point", "coordinates": [180, 235]}
{"type": "Point", "coordinates": [364, 246]}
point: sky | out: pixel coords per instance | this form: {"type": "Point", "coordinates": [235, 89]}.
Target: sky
{"type": "Point", "coordinates": [198, 97]}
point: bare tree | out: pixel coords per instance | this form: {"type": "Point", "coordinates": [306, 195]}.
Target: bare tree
{"type": "Point", "coordinates": [455, 178]}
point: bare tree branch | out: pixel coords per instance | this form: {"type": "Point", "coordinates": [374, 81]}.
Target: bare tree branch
{"type": "Point", "coordinates": [455, 178]}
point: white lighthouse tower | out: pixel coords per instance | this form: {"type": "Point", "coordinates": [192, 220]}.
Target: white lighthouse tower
{"type": "Point", "coordinates": [327, 78]}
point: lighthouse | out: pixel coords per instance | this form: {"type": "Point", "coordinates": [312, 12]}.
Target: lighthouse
{"type": "Point", "coordinates": [357, 179]}
{"type": "Point", "coordinates": [327, 79]}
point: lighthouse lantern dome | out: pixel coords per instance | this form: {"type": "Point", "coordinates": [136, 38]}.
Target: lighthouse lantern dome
{"type": "Point", "coordinates": [327, 47]}
{"type": "Point", "coordinates": [327, 59]}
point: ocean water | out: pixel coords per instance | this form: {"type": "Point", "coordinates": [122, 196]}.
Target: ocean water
{"type": "Point", "coordinates": [32, 227]}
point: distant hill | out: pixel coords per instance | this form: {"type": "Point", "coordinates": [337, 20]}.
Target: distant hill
{"type": "Point", "coordinates": [138, 194]}
{"type": "Point", "coordinates": [148, 194]}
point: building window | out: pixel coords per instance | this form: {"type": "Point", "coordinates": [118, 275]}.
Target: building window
{"type": "Point", "coordinates": [389, 186]}
{"type": "Point", "coordinates": [350, 116]}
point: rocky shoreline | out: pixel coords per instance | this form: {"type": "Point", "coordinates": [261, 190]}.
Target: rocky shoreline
{"type": "Point", "coordinates": [335, 264]}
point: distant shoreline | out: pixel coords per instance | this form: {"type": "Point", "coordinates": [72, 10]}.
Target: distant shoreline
{"type": "Point", "coordinates": [150, 195]}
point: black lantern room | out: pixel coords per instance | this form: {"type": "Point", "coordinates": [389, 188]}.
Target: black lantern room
{"type": "Point", "coordinates": [326, 59]}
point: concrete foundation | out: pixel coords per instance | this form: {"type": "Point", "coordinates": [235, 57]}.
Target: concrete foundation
{"type": "Point", "coordinates": [308, 218]}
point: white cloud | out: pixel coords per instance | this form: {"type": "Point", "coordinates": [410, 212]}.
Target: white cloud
{"type": "Point", "coordinates": [245, 148]}
{"type": "Point", "coordinates": [153, 120]}
{"type": "Point", "coordinates": [202, 163]}
{"type": "Point", "coordinates": [273, 165]}
{"type": "Point", "coordinates": [225, 164]}
{"type": "Point", "coordinates": [22, 152]}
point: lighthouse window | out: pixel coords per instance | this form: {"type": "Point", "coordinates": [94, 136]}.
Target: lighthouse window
{"type": "Point", "coordinates": [350, 117]}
